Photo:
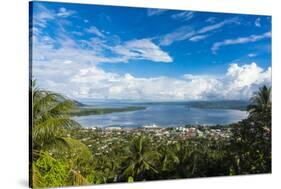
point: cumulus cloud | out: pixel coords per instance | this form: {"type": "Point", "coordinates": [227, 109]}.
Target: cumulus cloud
{"type": "Point", "coordinates": [56, 59]}
{"type": "Point", "coordinates": [246, 75]}
{"type": "Point", "coordinates": [240, 40]}
{"type": "Point", "coordinates": [238, 82]}
{"type": "Point", "coordinates": [243, 80]}
{"type": "Point", "coordinates": [104, 85]}
{"type": "Point", "coordinates": [72, 66]}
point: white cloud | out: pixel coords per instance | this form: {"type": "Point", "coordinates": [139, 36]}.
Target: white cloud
{"type": "Point", "coordinates": [245, 75]}
{"type": "Point", "coordinates": [43, 15]}
{"type": "Point", "coordinates": [142, 49]}
{"type": "Point", "coordinates": [252, 55]}
{"type": "Point", "coordinates": [56, 59]}
{"type": "Point", "coordinates": [216, 26]}
{"type": "Point", "coordinates": [184, 15]}
{"type": "Point", "coordinates": [239, 82]}
{"type": "Point", "coordinates": [95, 50]}
{"type": "Point", "coordinates": [72, 67]}
{"type": "Point", "coordinates": [63, 12]}
{"type": "Point", "coordinates": [240, 40]}
{"type": "Point", "coordinates": [92, 74]}
{"type": "Point", "coordinates": [198, 37]}
{"type": "Point", "coordinates": [258, 22]}
{"type": "Point", "coordinates": [100, 84]}
{"type": "Point", "coordinates": [77, 33]}
{"type": "Point", "coordinates": [187, 32]}
{"type": "Point", "coordinates": [244, 80]}
{"type": "Point", "coordinates": [155, 12]}
{"type": "Point", "coordinates": [180, 34]}
{"type": "Point", "coordinates": [46, 15]}
{"type": "Point", "coordinates": [95, 30]}
{"type": "Point", "coordinates": [211, 19]}
{"type": "Point", "coordinates": [67, 62]}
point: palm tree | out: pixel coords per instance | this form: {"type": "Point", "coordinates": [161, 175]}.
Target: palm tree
{"type": "Point", "coordinates": [260, 102]}
{"type": "Point", "coordinates": [167, 157]}
{"type": "Point", "coordinates": [140, 159]}
{"type": "Point", "coordinates": [50, 118]}
{"type": "Point", "coordinates": [50, 121]}
{"type": "Point", "coordinates": [251, 141]}
{"type": "Point", "coordinates": [166, 161]}
{"type": "Point", "coordinates": [186, 161]}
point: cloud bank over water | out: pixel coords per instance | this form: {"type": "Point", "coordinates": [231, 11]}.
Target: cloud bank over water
{"type": "Point", "coordinates": [239, 82]}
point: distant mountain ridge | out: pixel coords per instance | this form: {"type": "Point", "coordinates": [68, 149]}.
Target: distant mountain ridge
{"type": "Point", "coordinates": [203, 104]}
{"type": "Point", "coordinates": [79, 104]}
{"type": "Point", "coordinates": [221, 104]}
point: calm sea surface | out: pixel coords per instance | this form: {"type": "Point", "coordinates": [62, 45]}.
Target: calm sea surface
{"type": "Point", "coordinates": [164, 115]}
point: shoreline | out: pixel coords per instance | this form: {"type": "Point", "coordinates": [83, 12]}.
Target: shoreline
{"type": "Point", "coordinates": [88, 111]}
{"type": "Point", "coordinates": [117, 127]}
{"type": "Point", "coordinates": [174, 133]}
{"type": "Point", "coordinates": [139, 116]}
{"type": "Point", "coordinates": [156, 126]}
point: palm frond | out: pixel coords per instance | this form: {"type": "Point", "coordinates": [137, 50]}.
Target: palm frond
{"type": "Point", "coordinates": [37, 179]}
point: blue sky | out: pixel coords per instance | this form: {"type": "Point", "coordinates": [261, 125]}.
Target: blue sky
{"type": "Point", "coordinates": [107, 52]}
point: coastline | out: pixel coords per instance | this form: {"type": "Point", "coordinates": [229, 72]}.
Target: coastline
{"type": "Point", "coordinates": [184, 132]}
{"type": "Point", "coordinates": [161, 115]}
{"type": "Point", "coordinates": [86, 111]}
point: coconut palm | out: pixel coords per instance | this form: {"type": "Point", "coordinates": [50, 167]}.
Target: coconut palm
{"type": "Point", "coordinates": [50, 122]}
{"type": "Point", "coordinates": [167, 157]}
{"type": "Point", "coordinates": [186, 159]}
{"type": "Point", "coordinates": [50, 118]}
{"type": "Point", "coordinates": [166, 161]}
{"type": "Point", "coordinates": [251, 140]}
{"type": "Point", "coordinates": [260, 102]}
{"type": "Point", "coordinates": [140, 159]}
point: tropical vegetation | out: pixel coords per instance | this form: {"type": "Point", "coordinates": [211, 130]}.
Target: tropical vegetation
{"type": "Point", "coordinates": [65, 154]}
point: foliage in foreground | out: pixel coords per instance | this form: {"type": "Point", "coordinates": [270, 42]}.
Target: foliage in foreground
{"type": "Point", "coordinates": [61, 160]}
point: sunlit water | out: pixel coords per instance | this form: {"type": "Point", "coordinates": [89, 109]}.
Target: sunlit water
{"type": "Point", "coordinates": [171, 115]}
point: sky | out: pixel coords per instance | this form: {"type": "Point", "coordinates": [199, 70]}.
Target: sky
{"type": "Point", "coordinates": [124, 53]}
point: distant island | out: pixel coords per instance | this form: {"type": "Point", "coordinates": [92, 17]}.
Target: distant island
{"type": "Point", "coordinates": [222, 104]}
{"type": "Point", "coordinates": [84, 111]}
{"type": "Point", "coordinates": [218, 104]}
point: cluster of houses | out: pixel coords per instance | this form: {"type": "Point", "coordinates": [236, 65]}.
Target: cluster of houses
{"type": "Point", "coordinates": [153, 130]}
{"type": "Point", "coordinates": [104, 140]}
{"type": "Point", "coordinates": [205, 132]}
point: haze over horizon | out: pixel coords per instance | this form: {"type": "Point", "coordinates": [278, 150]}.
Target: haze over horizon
{"type": "Point", "coordinates": [105, 52]}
